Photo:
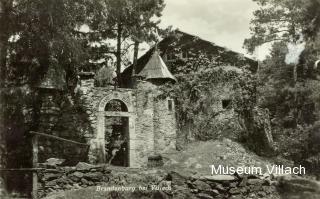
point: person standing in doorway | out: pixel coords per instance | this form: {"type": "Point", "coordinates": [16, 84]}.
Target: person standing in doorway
{"type": "Point", "coordinates": [116, 146]}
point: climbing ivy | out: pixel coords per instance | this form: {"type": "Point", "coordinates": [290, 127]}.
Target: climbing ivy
{"type": "Point", "coordinates": [195, 95]}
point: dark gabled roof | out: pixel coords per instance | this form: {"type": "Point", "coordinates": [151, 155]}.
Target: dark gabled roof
{"type": "Point", "coordinates": [188, 41]}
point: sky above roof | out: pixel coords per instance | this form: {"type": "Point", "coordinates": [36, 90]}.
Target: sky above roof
{"type": "Point", "coordinates": [223, 22]}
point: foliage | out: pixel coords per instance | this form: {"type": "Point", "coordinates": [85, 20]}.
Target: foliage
{"type": "Point", "coordinates": [34, 35]}
{"type": "Point", "coordinates": [197, 96]}
{"type": "Point", "coordinates": [16, 117]}
{"type": "Point", "coordinates": [125, 22]}
{"type": "Point", "coordinates": [283, 20]}
{"type": "Point", "coordinates": [255, 122]}
{"type": "Point", "coordinates": [311, 18]}
{"type": "Point", "coordinates": [289, 92]}
{"type": "Point", "coordinates": [37, 34]}
{"type": "Point", "coordinates": [42, 31]}
{"type": "Point", "coordinates": [104, 77]}
{"type": "Point", "coordinates": [275, 20]}
{"type": "Point", "coordinates": [292, 106]}
{"type": "Point", "coordinates": [245, 98]}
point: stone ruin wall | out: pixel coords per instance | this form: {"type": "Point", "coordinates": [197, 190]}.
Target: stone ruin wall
{"type": "Point", "coordinates": [153, 124]}
{"type": "Point", "coordinates": [154, 120]}
{"type": "Point", "coordinates": [144, 125]}
{"type": "Point", "coordinates": [152, 129]}
{"type": "Point", "coordinates": [226, 119]}
{"type": "Point", "coordinates": [60, 116]}
{"type": "Point", "coordinates": [94, 99]}
{"type": "Point", "coordinates": [183, 185]}
{"type": "Point", "coordinates": [165, 126]}
{"type": "Point", "coordinates": [198, 186]}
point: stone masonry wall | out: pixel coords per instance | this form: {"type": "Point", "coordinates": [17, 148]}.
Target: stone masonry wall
{"type": "Point", "coordinates": [225, 120]}
{"type": "Point", "coordinates": [66, 178]}
{"type": "Point", "coordinates": [155, 122]}
{"type": "Point", "coordinates": [165, 125]}
{"type": "Point", "coordinates": [94, 100]}
{"type": "Point", "coordinates": [145, 123]}
{"type": "Point", "coordinates": [152, 126]}
{"type": "Point", "coordinates": [179, 186]}
{"type": "Point", "coordinates": [61, 115]}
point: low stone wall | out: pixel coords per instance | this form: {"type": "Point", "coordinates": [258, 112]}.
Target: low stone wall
{"type": "Point", "coordinates": [223, 186]}
{"type": "Point", "coordinates": [217, 186]}
{"type": "Point", "coordinates": [69, 178]}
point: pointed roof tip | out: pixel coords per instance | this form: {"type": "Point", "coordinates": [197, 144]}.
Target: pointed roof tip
{"type": "Point", "coordinates": [156, 69]}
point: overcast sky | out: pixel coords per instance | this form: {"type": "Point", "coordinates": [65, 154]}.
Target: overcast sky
{"type": "Point", "coordinates": [224, 22]}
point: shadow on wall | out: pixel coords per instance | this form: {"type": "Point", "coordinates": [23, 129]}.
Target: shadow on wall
{"type": "Point", "coordinates": [23, 110]}
{"type": "Point", "coordinates": [16, 119]}
{"type": "Point", "coordinates": [65, 118]}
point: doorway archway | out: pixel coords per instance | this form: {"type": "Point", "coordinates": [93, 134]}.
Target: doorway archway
{"type": "Point", "coordinates": [116, 116]}
{"type": "Point", "coordinates": [117, 134]}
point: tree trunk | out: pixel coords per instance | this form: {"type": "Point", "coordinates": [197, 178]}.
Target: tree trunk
{"type": "Point", "coordinates": [135, 61]}
{"type": "Point", "coordinates": [5, 7]}
{"type": "Point", "coordinates": [118, 54]}
{"type": "Point", "coordinates": [295, 94]}
{"type": "Point", "coordinates": [295, 74]}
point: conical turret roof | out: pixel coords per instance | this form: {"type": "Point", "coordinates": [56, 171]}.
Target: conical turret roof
{"type": "Point", "coordinates": [156, 69]}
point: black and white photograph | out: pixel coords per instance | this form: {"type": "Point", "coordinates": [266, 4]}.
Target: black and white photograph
{"type": "Point", "coordinates": [160, 99]}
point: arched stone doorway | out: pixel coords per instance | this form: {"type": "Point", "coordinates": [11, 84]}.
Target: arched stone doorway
{"type": "Point", "coordinates": [117, 134]}
{"type": "Point", "coordinates": [116, 117]}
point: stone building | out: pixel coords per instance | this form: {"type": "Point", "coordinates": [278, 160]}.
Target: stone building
{"type": "Point", "coordinates": [134, 115]}
{"type": "Point", "coordinates": [178, 49]}
{"type": "Point", "coordinates": [143, 120]}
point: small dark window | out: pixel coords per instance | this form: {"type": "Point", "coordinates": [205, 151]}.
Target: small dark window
{"type": "Point", "coordinates": [170, 105]}
{"type": "Point", "coordinates": [226, 103]}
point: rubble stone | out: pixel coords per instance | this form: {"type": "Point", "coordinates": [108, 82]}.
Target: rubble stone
{"type": "Point", "coordinates": [53, 180]}
{"type": "Point", "coordinates": [219, 178]}
{"type": "Point", "coordinates": [201, 185]}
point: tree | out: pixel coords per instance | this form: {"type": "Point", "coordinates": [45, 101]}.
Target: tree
{"type": "Point", "coordinates": [290, 95]}
{"type": "Point", "coordinates": [283, 20]}
{"type": "Point", "coordinates": [40, 32]}
{"type": "Point", "coordinates": [311, 18]}
{"type": "Point", "coordinates": [292, 107]}
{"type": "Point", "coordinates": [5, 21]}
{"type": "Point", "coordinates": [128, 22]}
{"type": "Point", "coordinates": [288, 21]}
{"type": "Point", "coordinates": [34, 35]}
{"type": "Point", "coordinates": [275, 20]}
